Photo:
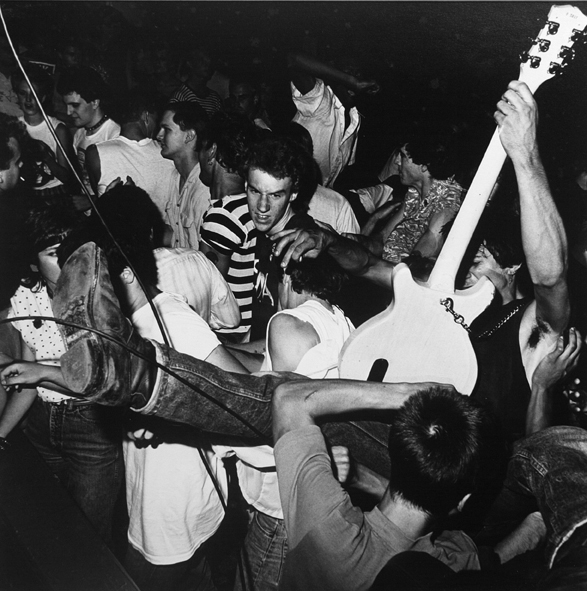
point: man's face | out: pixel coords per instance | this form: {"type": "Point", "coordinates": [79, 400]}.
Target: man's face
{"type": "Point", "coordinates": [71, 56]}
{"type": "Point", "coordinates": [82, 113]}
{"type": "Point", "coordinates": [409, 172]}
{"type": "Point", "coordinates": [9, 178]}
{"type": "Point", "coordinates": [171, 137]}
{"type": "Point", "coordinates": [242, 97]}
{"type": "Point", "coordinates": [48, 266]}
{"type": "Point", "coordinates": [26, 100]}
{"type": "Point", "coordinates": [268, 198]}
{"type": "Point", "coordinates": [485, 265]}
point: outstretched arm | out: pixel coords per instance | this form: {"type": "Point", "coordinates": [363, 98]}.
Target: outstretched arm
{"type": "Point", "coordinates": [543, 235]}
{"type": "Point", "coordinates": [350, 255]}
{"type": "Point", "coordinates": [301, 403]}
{"type": "Point", "coordinates": [305, 69]}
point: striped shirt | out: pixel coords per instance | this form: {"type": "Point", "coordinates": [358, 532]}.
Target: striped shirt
{"type": "Point", "coordinates": [210, 103]}
{"type": "Point", "coordinates": [229, 229]}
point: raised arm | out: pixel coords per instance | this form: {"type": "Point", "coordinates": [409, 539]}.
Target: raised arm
{"type": "Point", "coordinates": [543, 235]}
{"type": "Point", "coordinates": [301, 403]}
{"type": "Point", "coordinates": [305, 69]}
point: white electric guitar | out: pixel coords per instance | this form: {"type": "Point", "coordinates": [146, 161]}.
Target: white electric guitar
{"type": "Point", "coordinates": [423, 336]}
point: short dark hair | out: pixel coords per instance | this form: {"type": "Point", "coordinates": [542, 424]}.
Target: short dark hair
{"type": "Point", "coordinates": [441, 446]}
{"type": "Point", "coordinates": [11, 127]}
{"type": "Point", "coordinates": [137, 101]}
{"type": "Point", "coordinates": [131, 216]}
{"type": "Point", "coordinates": [233, 134]}
{"type": "Point", "coordinates": [431, 146]}
{"type": "Point", "coordinates": [38, 76]}
{"type": "Point", "coordinates": [282, 157]}
{"type": "Point", "coordinates": [188, 115]}
{"type": "Point", "coordinates": [49, 222]}
{"type": "Point", "coordinates": [321, 277]}
{"type": "Point", "coordinates": [85, 81]}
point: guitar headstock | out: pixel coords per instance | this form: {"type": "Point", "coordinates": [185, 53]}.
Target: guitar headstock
{"type": "Point", "coordinates": [553, 49]}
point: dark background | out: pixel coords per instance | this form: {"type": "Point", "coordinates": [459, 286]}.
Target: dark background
{"type": "Point", "coordinates": [432, 59]}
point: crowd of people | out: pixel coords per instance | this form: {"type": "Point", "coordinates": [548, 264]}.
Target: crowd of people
{"type": "Point", "coordinates": [222, 270]}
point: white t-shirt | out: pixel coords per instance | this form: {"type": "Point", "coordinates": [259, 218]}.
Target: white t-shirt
{"type": "Point", "coordinates": [142, 161]}
{"type": "Point", "coordinates": [81, 140]}
{"type": "Point", "coordinates": [172, 503]}
{"type": "Point", "coordinates": [333, 209]}
{"type": "Point", "coordinates": [256, 469]}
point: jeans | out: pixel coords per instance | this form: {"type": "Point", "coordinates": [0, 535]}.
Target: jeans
{"type": "Point", "coordinates": [549, 468]}
{"type": "Point", "coordinates": [196, 393]}
{"type": "Point", "coordinates": [191, 575]}
{"type": "Point", "coordinates": [82, 446]}
{"type": "Point", "coordinates": [263, 554]}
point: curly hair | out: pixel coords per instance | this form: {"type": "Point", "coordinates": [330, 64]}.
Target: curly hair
{"type": "Point", "coordinates": [188, 116]}
{"type": "Point", "coordinates": [11, 127]}
{"type": "Point", "coordinates": [322, 277]}
{"type": "Point", "coordinates": [282, 157]}
{"type": "Point", "coordinates": [431, 147]}
{"type": "Point", "coordinates": [233, 134]}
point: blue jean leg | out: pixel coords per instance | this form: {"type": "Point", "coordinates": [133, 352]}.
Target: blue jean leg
{"type": "Point", "coordinates": [551, 467]}
{"type": "Point", "coordinates": [82, 446]}
{"type": "Point", "coordinates": [263, 554]}
{"type": "Point", "coordinates": [212, 400]}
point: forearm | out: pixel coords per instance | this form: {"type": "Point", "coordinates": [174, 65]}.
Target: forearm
{"type": "Point", "coordinates": [17, 406]}
{"type": "Point", "coordinates": [523, 539]}
{"type": "Point", "coordinates": [368, 481]}
{"type": "Point", "coordinates": [300, 403]}
{"type": "Point", "coordinates": [538, 415]}
{"type": "Point", "coordinates": [543, 235]}
{"type": "Point", "coordinates": [318, 69]}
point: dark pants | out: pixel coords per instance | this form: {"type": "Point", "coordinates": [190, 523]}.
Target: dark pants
{"type": "Point", "coordinates": [82, 446]}
{"type": "Point", "coordinates": [203, 396]}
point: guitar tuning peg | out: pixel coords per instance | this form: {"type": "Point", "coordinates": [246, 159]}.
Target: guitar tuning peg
{"type": "Point", "coordinates": [552, 27]}
{"type": "Point", "coordinates": [535, 61]}
{"type": "Point", "coordinates": [578, 36]}
{"type": "Point", "coordinates": [524, 56]}
{"type": "Point", "coordinates": [555, 68]}
{"type": "Point", "coordinates": [567, 53]}
{"type": "Point", "coordinates": [543, 44]}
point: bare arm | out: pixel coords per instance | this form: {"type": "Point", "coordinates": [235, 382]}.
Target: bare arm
{"type": "Point", "coordinates": [224, 360]}
{"type": "Point", "coordinates": [350, 255]}
{"type": "Point", "coordinates": [301, 403]}
{"type": "Point", "coordinates": [432, 240]}
{"type": "Point", "coordinates": [543, 235]}
{"type": "Point", "coordinates": [305, 69]}
{"type": "Point", "coordinates": [553, 368]}
{"type": "Point", "coordinates": [289, 340]}
{"type": "Point", "coordinates": [524, 538]}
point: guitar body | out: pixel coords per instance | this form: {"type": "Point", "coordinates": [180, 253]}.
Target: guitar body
{"type": "Point", "coordinates": [416, 339]}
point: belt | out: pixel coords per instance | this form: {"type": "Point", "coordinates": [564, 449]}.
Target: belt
{"type": "Point", "coordinates": [69, 402]}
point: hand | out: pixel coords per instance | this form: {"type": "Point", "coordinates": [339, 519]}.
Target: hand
{"type": "Point", "coordinates": [22, 373]}
{"type": "Point", "coordinates": [118, 181]}
{"type": "Point", "coordinates": [299, 243]}
{"type": "Point", "coordinates": [368, 86]}
{"type": "Point", "coordinates": [559, 362]}
{"type": "Point", "coordinates": [342, 462]}
{"type": "Point", "coordinates": [143, 438]}
{"type": "Point", "coordinates": [576, 397]}
{"type": "Point", "coordinates": [517, 117]}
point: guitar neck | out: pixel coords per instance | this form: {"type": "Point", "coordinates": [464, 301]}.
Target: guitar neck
{"type": "Point", "coordinates": [445, 270]}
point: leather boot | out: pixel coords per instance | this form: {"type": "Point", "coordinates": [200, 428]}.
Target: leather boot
{"type": "Point", "coordinates": [114, 366]}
